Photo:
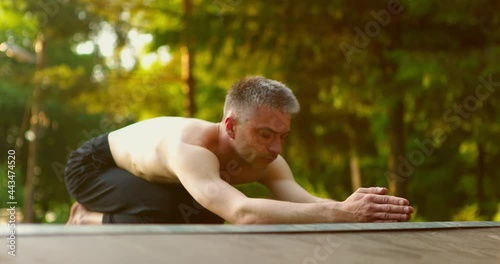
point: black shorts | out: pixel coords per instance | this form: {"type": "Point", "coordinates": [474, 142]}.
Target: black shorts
{"type": "Point", "coordinates": [94, 180]}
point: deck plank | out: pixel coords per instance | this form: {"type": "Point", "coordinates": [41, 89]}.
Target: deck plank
{"type": "Point", "coordinates": [422, 243]}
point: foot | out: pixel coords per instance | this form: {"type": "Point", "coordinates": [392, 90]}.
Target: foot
{"type": "Point", "coordinates": [79, 215]}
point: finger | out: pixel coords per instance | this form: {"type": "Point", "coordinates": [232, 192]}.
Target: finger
{"type": "Point", "coordinates": [385, 199]}
{"type": "Point", "coordinates": [387, 208]}
{"type": "Point", "coordinates": [409, 217]}
{"type": "Point", "coordinates": [372, 190]}
{"type": "Point", "coordinates": [386, 221]}
{"type": "Point", "coordinates": [390, 216]}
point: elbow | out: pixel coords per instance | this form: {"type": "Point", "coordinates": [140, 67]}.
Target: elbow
{"type": "Point", "coordinates": [245, 220]}
{"type": "Point", "coordinates": [243, 215]}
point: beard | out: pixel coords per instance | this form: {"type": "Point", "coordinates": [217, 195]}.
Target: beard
{"type": "Point", "coordinates": [250, 155]}
{"type": "Point", "coordinates": [246, 152]}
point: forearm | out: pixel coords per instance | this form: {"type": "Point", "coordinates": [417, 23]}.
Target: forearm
{"type": "Point", "coordinates": [324, 200]}
{"type": "Point", "coordinates": [264, 211]}
{"type": "Point", "coordinates": [364, 205]}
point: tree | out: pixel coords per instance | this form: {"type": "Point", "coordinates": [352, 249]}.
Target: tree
{"type": "Point", "coordinates": [394, 90]}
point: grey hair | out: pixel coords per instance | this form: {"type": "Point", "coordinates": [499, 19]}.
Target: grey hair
{"type": "Point", "coordinates": [249, 93]}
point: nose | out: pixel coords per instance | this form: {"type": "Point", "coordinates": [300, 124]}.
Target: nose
{"type": "Point", "coordinates": [276, 147]}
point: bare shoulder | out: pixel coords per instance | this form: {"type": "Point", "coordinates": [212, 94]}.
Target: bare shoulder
{"type": "Point", "coordinates": [191, 144]}
{"type": "Point", "coordinates": [155, 125]}
{"type": "Point", "coordinates": [159, 128]}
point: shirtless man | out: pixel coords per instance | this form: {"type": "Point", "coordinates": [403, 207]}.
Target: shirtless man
{"type": "Point", "coordinates": [182, 170]}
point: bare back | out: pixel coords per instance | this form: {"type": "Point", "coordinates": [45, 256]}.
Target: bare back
{"type": "Point", "coordinates": [134, 147]}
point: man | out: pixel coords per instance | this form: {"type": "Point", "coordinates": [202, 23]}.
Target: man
{"type": "Point", "coordinates": [182, 170]}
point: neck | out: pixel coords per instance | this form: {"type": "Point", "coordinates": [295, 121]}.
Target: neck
{"type": "Point", "coordinates": [224, 150]}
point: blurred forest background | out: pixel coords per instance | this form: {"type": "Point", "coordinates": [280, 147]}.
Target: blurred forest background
{"type": "Point", "coordinates": [402, 94]}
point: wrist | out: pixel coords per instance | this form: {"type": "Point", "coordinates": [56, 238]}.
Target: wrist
{"type": "Point", "coordinates": [335, 212]}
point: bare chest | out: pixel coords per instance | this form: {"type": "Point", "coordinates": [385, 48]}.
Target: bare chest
{"type": "Point", "coordinates": [234, 174]}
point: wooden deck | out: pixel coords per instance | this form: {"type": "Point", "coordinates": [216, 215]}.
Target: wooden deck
{"type": "Point", "coordinates": [431, 242]}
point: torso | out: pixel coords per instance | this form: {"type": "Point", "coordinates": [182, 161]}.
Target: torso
{"type": "Point", "coordinates": [134, 148]}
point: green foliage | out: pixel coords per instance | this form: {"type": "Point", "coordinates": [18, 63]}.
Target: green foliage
{"type": "Point", "coordinates": [497, 216]}
{"type": "Point", "coordinates": [468, 213]}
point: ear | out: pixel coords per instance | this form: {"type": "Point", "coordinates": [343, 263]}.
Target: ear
{"type": "Point", "coordinates": [230, 126]}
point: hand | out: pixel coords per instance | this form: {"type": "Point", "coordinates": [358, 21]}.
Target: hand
{"type": "Point", "coordinates": [373, 205]}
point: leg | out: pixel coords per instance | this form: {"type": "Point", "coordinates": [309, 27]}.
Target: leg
{"type": "Point", "coordinates": [98, 186]}
{"type": "Point", "coordinates": [124, 198]}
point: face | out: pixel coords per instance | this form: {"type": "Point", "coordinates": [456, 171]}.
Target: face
{"type": "Point", "coordinates": [259, 140]}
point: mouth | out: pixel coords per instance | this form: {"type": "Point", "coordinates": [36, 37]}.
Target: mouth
{"type": "Point", "coordinates": [268, 160]}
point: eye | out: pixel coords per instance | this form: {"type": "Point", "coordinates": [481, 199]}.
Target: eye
{"type": "Point", "coordinates": [265, 135]}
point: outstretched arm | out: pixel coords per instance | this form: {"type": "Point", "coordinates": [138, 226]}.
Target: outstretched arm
{"type": "Point", "coordinates": [198, 170]}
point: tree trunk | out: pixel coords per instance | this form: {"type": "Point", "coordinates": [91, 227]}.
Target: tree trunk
{"type": "Point", "coordinates": [187, 61]}
{"type": "Point", "coordinates": [355, 173]}
{"type": "Point", "coordinates": [399, 168]}
{"type": "Point", "coordinates": [480, 177]}
{"type": "Point", "coordinates": [34, 129]}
